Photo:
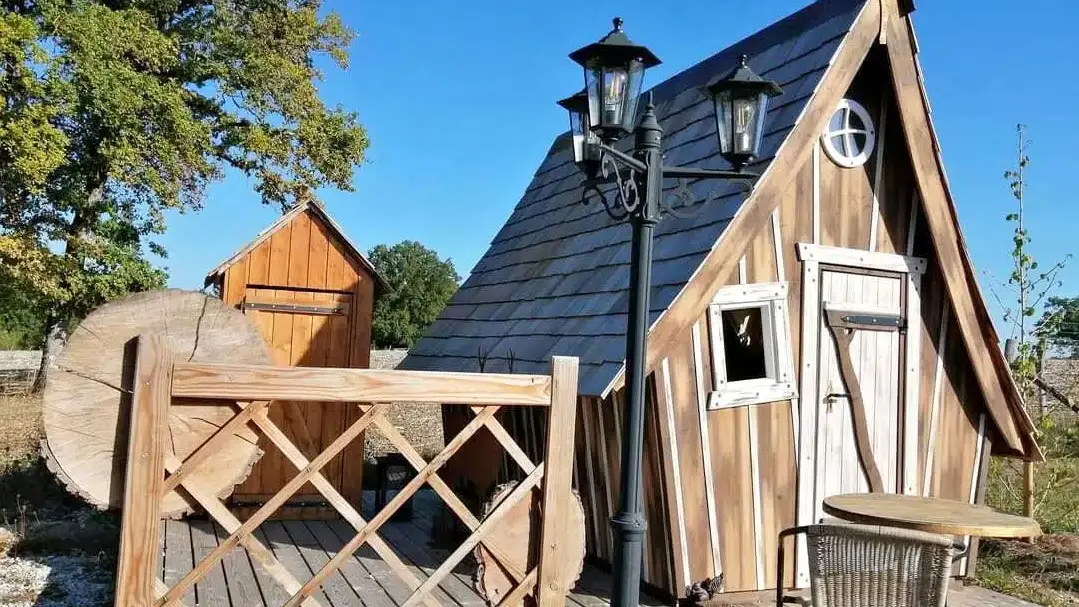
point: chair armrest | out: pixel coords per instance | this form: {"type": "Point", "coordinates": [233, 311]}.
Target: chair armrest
{"type": "Point", "coordinates": [780, 553]}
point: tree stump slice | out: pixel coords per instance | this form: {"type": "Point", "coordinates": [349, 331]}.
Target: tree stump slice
{"type": "Point", "coordinates": [517, 535]}
{"type": "Point", "coordinates": [87, 394]}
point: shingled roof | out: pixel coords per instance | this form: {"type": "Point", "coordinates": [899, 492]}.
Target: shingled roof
{"type": "Point", "coordinates": [555, 278]}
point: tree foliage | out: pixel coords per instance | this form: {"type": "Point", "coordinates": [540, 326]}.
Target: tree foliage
{"type": "Point", "coordinates": [117, 111]}
{"type": "Point", "coordinates": [1059, 326]}
{"type": "Point", "coordinates": [421, 283]}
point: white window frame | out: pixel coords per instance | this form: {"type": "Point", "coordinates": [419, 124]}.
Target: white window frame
{"type": "Point", "coordinates": [846, 160]}
{"type": "Point", "coordinates": [779, 384]}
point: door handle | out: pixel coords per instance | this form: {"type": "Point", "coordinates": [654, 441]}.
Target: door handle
{"type": "Point", "coordinates": [830, 399]}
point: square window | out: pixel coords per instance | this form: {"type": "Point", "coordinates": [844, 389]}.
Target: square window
{"type": "Point", "coordinates": [750, 338]}
{"type": "Point", "coordinates": [743, 343]}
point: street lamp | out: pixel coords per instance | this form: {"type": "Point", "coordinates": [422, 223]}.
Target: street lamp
{"type": "Point", "coordinates": [614, 73]}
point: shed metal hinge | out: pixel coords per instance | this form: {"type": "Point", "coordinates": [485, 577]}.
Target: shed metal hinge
{"type": "Point", "coordinates": [295, 308]}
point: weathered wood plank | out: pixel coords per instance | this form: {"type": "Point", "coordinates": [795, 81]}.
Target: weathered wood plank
{"type": "Point", "coordinates": [211, 589]}
{"type": "Point", "coordinates": [971, 317]}
{"type": "Point", "coordinates": [424, 559]}
{"type": "Point", "coordinates": [141, 523]}
{"type": "Point", "coordinates": [335, 587]}
{"type": "Point", "coordinates": [178, 556]}
{"type": "Point", "coordinates": [286, 551]}
{"type": "Point", "coordinates": [378, 569]}
{"type": "Point", "coordinates": [273, 592]}
{"type": "Point", "coordinates": [558, 502]}
{"type": "Point", "coordinates": [240, 579]}
{"type": "Point", "coordinates": [255, 382]}
{"type": "Point", "coordinates": [361, 579]}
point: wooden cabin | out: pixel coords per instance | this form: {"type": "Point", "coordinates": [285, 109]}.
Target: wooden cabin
{"type": "Point", "coordinates": [840, 280]}
{"type": "Point", "coordinates": [311, 292]}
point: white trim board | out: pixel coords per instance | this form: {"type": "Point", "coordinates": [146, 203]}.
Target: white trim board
{"type": "Point", "coordinates": [806, 448]}
{"type": "Point", "coordinates": [706, 451]}
{"type": "Point", "coordinates": [676, 473]}
{"type": "Point", "coordinates": [857, 258]}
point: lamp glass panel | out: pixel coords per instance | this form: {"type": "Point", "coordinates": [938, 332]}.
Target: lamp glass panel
{"type": "Point", "coordinates": [762, 115]}
{"type": "Point", "coordinates": [578, 130]}
{"type": "Point", "coordinates": [633, 93]}
{"type": "Point", "coordinates": [744, 124]}
{"type": "Point", "coordinates": [614, 94]}
{"type": "Point", "coordinates": [592, 81]}
{"type": "Point", "coordinates": [723, 120]}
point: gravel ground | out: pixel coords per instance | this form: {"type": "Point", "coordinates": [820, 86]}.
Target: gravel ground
{"type": "Point", "coordinates": [420, 424]}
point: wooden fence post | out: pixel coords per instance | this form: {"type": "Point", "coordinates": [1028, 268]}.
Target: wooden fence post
{"type": "Point", "coordinates": [551, 587]}
{"type": "Point", "coordinates": [136, 568]}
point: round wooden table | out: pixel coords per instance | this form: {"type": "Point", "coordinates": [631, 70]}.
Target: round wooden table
{"type": "Point", "coordinates": [946, 517]}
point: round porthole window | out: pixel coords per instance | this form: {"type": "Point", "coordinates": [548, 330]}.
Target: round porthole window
{"type": "Point", "coordinates": [850, 136]}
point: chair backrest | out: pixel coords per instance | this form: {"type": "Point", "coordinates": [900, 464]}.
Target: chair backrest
{"type": "Point", "coordinates": [871, 566]}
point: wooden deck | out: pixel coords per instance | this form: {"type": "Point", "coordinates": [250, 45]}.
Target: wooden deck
{"type": "Point", "coordinates": [305, 546]}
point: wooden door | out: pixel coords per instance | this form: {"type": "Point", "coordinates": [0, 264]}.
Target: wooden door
{"type": "Point", "coordinates": [867, 310]}
{"type": "Point", "coordinates": [304, 329]}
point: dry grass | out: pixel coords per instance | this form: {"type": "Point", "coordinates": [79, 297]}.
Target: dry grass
{"type": "Point", "coordinates": [54, 550]}
{"type": "Point", "coordinates": [20, 428]}
{"type": "Point", "coordinates": [1045, 572]}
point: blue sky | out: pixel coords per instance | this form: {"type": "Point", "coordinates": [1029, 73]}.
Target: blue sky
{"type": "Point", "coordinates": [458, 99]}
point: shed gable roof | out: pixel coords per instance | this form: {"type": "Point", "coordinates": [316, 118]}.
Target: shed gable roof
{"type": "Point", "coordinates": [555, 278]}
{"type": "Point", "coordinates": [318, 212]}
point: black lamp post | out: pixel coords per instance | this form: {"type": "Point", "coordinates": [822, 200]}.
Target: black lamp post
{"type": "Point", "coordinates": [600, 115]}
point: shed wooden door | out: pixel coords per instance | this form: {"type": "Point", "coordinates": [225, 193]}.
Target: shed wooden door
{"type": "Point", "coordinates": [304, 329]}
{"type": "Point", "coordinates": [877, 360]}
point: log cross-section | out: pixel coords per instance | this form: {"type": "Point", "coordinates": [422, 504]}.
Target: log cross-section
{"type": "Point", "coordinates": [842, 331]}
{"type": "Point", "coordinates": [150, 460]}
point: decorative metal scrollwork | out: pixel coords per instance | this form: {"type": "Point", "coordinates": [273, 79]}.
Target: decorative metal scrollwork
{"type": "Point", "coordinates": [627, 192]}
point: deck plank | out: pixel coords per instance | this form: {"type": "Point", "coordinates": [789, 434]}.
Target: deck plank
{"type": "Point", "coordinates": [178, 559]}
{"type": "Point", "coordinates": [407, 541]}
{"type": "Point", "coordinates": [336, 586]}
{"type": "Point", "coordinates": [363, 582]}
{"type": "Point", "coordinates": [239, 576]}
{"type": "Point", "coordinates": [382, 572]}
{"type": "Point", "coordinates": [272, 591]}
{"type": "Point", "coordinates": [422, 525]}
{"type": "Point", "coordinates": [210, 591]}
{"type": "Point", "coordinates": [290, 556]}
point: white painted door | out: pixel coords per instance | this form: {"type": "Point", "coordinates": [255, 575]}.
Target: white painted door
{"type": "Point", "coordinates": [877, 358]}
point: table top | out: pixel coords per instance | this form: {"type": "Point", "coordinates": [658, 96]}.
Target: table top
{"type": "Point", "coordinates": [947, 517]}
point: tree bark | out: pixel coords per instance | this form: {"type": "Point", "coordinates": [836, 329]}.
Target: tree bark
{"type": "Point", "coordinates": [55, 335]}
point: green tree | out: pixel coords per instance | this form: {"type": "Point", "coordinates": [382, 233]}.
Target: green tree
{"type": "Point", "coordinates": [1059, 326]}
{"type": "Point", "coordinates": [421, 283]}
{"type": "Point", "coordinates": [115, 112]}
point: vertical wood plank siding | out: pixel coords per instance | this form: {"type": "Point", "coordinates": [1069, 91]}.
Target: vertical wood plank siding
{"type": "Point", "coordinates": [305, 262]}
{"type": "Point", "coordinates": [720, 485]}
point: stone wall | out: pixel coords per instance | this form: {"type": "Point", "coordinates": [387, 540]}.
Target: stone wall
{"type": "Point", "coordinates": [18, 368]}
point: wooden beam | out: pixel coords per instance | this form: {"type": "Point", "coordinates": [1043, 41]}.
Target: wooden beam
{"type": "Point", "coordinates": [256, 382]}
{"type": "Point", "coordinates": [140, 526]}
{"type": "Point", "coordinates": [768, 193]}
{"type": "Point", "coordinates": [856, 258]}
{"type": "Point", "coordinates": [843, 338]}
{"type": "Point", "coordinates": [558, 503]}
{"type": "Point", "coordinates": [971, 317]}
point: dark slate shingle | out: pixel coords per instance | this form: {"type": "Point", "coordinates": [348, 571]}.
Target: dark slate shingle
{"type": "Point", "coordinates": [554, 281]}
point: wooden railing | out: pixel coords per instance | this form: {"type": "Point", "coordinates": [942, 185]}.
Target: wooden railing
{"type": "Point", "coordinates": [153, 470]}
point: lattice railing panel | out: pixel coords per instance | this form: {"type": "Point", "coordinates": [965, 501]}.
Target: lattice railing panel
{"type": "Point", "coordinates": [153, 471]}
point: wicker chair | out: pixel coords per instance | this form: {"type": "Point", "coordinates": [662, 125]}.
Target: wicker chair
{"type": "Point", "coordinates": [869, 566]}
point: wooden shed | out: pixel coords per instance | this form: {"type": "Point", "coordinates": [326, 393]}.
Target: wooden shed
{"type": "Point", "coordinates": [311, 292]}
{"type": "Point", "coordinates": [839, 284]}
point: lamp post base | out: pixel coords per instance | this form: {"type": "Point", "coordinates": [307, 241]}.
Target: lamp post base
{"type": "Point", "coordinates": [629, 529]}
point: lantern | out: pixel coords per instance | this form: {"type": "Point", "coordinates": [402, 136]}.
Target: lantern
{"type": "Point", "coordinates": [577, 106]}
{"type": "Point", "coordinates": [741, 102]}
{"type": "Point", "coordinates": [613, 76]}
